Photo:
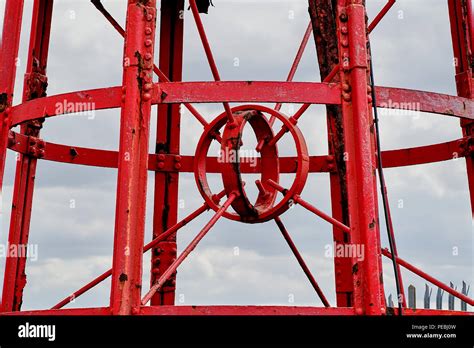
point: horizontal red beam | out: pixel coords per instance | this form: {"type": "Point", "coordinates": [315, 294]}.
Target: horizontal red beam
{"type": "Point", "coordinates": [250, 91]}
{"type": "Point", "coordinates": [424, 154]}
{"type": "Point", "coordinates": [318, 164]}
{"type": "Point", "coordinates": [230, 310]}
{"type": "Point", "coordinates": [68, 311]}
{"type": "Point", "coordinates": [429, 312]}
{"type": "Point", "coordinates": [409, 99]}
{"type": "Point", "coordinates": [239, 91]}
{"type": "Point", "coordinates": [245, 310]}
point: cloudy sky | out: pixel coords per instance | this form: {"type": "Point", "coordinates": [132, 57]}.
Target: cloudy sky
{"type": "Point", "coordinates": [73, 216]}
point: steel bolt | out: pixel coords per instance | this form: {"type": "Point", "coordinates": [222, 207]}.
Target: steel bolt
{"type": "Point", "coordinates": [148, 86]}
{"type": "Point", "coordinates": [161, 157]}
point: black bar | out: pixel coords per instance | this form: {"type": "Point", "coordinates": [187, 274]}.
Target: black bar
{"type": "Point", "coordinates": [160, 330]}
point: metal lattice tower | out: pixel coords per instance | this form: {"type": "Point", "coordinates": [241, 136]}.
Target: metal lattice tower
{"type": "Point", "coordinates": [341, 31]}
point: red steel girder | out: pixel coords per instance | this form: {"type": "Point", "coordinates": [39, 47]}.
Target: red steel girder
{"type": "Point", "coordinates": [360, 163]}
{"type": "Point", "coordinates": [34, 87]}
{"type": "Point", "coordinates": [462, 32]}
{"type": "Point", "coordinates": [133, 156]}
{"type": "Point", "coordinates": [165, 213]}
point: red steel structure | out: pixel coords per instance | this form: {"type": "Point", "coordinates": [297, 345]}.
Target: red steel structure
{"type": "Point", "coordinates": [341, 34]}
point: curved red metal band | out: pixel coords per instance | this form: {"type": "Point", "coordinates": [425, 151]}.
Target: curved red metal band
{"type": "Point", "coordinates": [239, 91]}
{"type": "Point", "coordinates": [179, 92]}
{"type": "Point", "coordinates": [317, 164]}
{"type": "Point", "coordinates": [231, 160]}
{"type": "Point", "coordinates": [413, 100]}
{"type": "Point", "coordinates": [302, 168]}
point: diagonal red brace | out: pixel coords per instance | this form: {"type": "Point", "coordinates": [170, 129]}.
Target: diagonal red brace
{"type": "Point", "coordinates": [174, 266]}
{"type": "Point", "coordinates": [429, 278]}
{"type": "Point", "coordinates": [301, 262]}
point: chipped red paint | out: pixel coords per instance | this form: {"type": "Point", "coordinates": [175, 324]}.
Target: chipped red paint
{"type": "Point", "coordinates": [345, 87]}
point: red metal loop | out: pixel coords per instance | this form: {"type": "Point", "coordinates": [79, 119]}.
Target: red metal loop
{"type": "Point", "coordinates": [230, 158]}
{"type": "Point", "coordinates": [263, 210]}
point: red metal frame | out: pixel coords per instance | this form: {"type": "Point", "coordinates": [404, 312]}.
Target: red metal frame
{"type": "Point", "coordinates": [345, 90]}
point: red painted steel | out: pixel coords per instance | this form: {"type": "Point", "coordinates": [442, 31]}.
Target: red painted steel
{"type": "Point", "coordinates": [35, 84]}
{"type": "Point", "coordinates": [165, 213]}
{"type": "Point", "coordinates": [174, 266]}
{"type": "Point", "coordinates": [8, 58]}
{"type": "Point", "coordinates": [429, 278]}
{"type": "Point", "coordinates": [133, 156]}
{"type": "Point", "coordinates": [345, 87]}
{"type": "Point", "coordinates": [368, 296]}
{"type": "Point", "coordinates": [302, 166]}
{"type": "Point", "coordinates": [300, 260]}
{"type": "Point", "coordinates": [462, 32]}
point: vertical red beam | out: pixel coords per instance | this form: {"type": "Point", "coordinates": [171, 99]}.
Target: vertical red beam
{"type": "Point", "coordinates": [323, 18]}
{"type": "Point", "coordinates": [360, 157]}
{"type": "Point", "coordinates": [462, 32]}
{"type": "Point", "coordinates": [10, 44]}
{"type": "Point", "coordinates": [133, 157]}
{"type": "Point", "coordinates": [165, 212]}
{"type": "Point", "coordinates": [34, 87]}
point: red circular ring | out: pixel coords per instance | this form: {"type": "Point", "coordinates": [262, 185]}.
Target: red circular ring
{"type": "Point", "coordinates": [302, 163]}
{"type": "Point", "coordinates": [231, 171]}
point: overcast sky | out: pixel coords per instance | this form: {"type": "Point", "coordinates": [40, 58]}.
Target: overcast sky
{"type": "Point", "coordinates": [238, 263]}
